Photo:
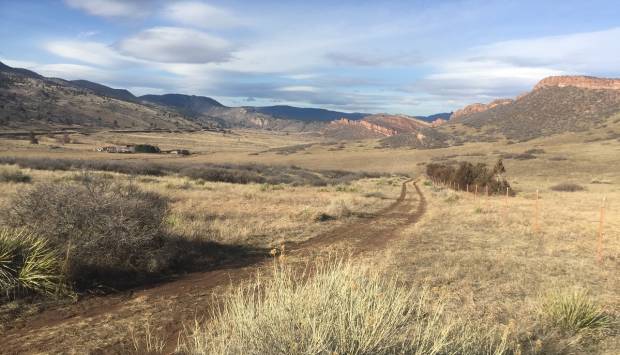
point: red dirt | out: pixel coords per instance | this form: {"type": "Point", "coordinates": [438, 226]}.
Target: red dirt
{"type": "Point", "coordinates": [100, 325]}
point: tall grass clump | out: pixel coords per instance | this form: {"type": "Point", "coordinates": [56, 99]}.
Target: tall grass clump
{"type": "Point", "coordinates": [109, 233]}
{"type": "Point", "coordinates": [28, 264]}
{"type": "Point", "coordinates": [338, 308]}
{"type": "Point", "coordinates": [574, 311]}
{"type": "Point", "coordinates": [14, 175]}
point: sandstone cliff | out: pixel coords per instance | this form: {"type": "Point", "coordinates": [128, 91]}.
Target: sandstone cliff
{"type": "Point", "coordinates": [478, 107]}
{"type": "Point", "coordinates": [384, 125]}
{"type": "Point", "coordinates": [584, 82]}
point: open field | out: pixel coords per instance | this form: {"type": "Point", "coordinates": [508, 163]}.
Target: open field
{"type": "Point", "coordinates": [480, 257]}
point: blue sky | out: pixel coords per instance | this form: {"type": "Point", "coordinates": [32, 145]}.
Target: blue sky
{"type": "Point", "coordinates": [415, 57]}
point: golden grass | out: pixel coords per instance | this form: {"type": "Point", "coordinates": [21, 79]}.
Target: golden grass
{"type": "Point", "coordinates": [489, 265]}
{"type": "Point", "coordinates": [254, 214]}
{"type": "Point", "coordinates": [341, 308]}
{"type": "Point", "coordinates": [482, 259]}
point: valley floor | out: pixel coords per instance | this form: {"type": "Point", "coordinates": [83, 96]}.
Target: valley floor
{"type": "Point", "coordinates": [491, 261]}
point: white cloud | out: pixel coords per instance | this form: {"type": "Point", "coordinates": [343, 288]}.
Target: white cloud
{"type": "Point", "coordinates": [176, 45]}
{"type": "Point", "coordinates": [199, 14]}
{"type": "Point", "coordinates": [301, 76]}
{"type": "Point", "coordinates": [588, 52]}
{"type": "Point", "coordinates": [19, 63]}
{"type": "Point", "coordinates": [112, 8]}
{"type": "Point", "coordinates": [72, 72]}
{"type": "Point", "coordinates": [299, 88]}
{"type": "Point", "coordinates": [508, 68]}
{"type": "Point", "coordinates": [87, 52]}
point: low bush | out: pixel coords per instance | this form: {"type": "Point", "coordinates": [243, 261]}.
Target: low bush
{"type": "Point", "coordinates": [14, 175]}
{"type": "Point", "coordinates": [469, 174]}
{"type": "Point", "coordinates": [335, 308]}
{"type": "Point", "coordinates": [147, 148]}
{"type": "Point", "coordinates": [518, 156]}
{"type": "Point", "coordinates": [567, 187]}
{"type": "Point", "coordinates": [28, 264]}
{"type": "Point", "coordinates": [110, 233]}
{"type": "Point", "coordinates": [232, 173]}
{"type": "Point", "coordinates": [574, 311]}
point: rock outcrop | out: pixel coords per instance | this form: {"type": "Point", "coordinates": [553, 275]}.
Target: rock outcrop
{"type": "Point", "coordinates": [584, 82]}
{"type": "Point", "coordinates": [384, 124]}
{"type": "Point", "coordinates": [387, 132]}
{"type": "Point", "coordinates": [478, 107]}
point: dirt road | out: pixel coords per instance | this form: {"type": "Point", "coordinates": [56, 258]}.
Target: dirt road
{"type": "Point", "coordinates": [101, 325]}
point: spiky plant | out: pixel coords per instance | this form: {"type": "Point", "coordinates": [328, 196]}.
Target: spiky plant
{"type": "Point", "coordinates": [27, 264]}
{"type": "Point", "coordinates": [574, 311]}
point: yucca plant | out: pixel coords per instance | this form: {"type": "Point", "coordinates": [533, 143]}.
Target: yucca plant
{"type": "Point", "coordinates": [27, 264]}
{"type": "Point", "coordinates": [574, 311]}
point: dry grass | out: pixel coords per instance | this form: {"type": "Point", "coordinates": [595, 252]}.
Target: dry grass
{"type": "Point", "coordinates": [341, 308]}
{"type": "Point", "coordinates": [490, 265]}
{"type": "Point", "coordinates": [266, 215]}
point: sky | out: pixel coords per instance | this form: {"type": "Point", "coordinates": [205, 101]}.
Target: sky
{"type": "Point", "coordinates": [415, 57]}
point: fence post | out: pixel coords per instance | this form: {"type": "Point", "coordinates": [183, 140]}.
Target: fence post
{"type": "Point", "coordinates": [599, 249]}
{"type": "Point", "coordinates": [476, 192]}
{"type": "Point", "coordinates": [536, 226]}
{"type": "Point", "coordinates": [506, 205]}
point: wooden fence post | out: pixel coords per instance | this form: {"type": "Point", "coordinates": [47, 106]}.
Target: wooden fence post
{"type": "Point", "coordinates": [476, 192]}
{"type": "Point", "coordinates": [599, 249]}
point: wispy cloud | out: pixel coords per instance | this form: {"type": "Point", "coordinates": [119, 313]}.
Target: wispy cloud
{"type": "Point", "coordinates": [113, 8]}
{"type": "Point", "coordinates": [176, 45]}
{"type": "Point", "coordinates": [200, 14]}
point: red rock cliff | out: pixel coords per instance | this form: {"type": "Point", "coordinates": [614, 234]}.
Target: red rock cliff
{"type": "Point", "coordinates": [586, 82]}
{"type": "Point", "coordinates": [475, 108]}
{"type": "Point", "coordinates": [367, 125]}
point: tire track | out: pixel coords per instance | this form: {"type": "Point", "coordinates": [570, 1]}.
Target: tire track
{"type": "Point", "coordinates": [100, 324]}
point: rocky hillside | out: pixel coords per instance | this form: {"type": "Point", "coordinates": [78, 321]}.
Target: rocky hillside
{"type": "Point", "coordinates": [206, 110]}
{"type": "Point", "coordinates": [30, 101]}
{"type": "Point", "coordinates": [375, 126]}
{"type": "Point", "coordinates": [555, 105]}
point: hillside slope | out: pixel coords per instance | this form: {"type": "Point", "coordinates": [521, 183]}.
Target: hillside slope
{"type": "Point", "coordinates": [30, 101]}
{"type": "Point", "coordinates": [556, 105]}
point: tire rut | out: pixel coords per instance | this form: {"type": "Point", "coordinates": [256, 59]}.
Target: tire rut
{"type": "Point", "coordinates": [99, 325]}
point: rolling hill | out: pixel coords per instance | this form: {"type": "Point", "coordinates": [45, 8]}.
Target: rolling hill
{"type": "Point", "coordinates": [555, 105]}
{"type": "Point", "coordinates": [31, 101]}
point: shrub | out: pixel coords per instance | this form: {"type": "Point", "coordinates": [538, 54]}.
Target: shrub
{"type": "Point", "coordinates": [573, 311]}
{"type": "Point", "coordinates": [519, 156]}
{"type": "Point", "coordinates": [28, 264]}
{"type": "Point", "coordinates": [223, 175]}
{"type": "Point", "coordinates": [341, 309]}
{"type": "Point", "coordinates": [13, 175]}
{"type": "Point", "coordinates": [469, 174]}
{"type": "Point", "coordinates": [111, 233]}
{"type": "Point", "coordinates": [146, 148]}
{"type": "Point", "coordinates": [567, 187]}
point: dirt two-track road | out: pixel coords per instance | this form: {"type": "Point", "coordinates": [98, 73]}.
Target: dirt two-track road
{"type": "Point", "coordinates": [101, 325]}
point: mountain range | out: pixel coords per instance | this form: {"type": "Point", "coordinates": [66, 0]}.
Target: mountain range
{"type": "Point", "coordinates": [555, 105]}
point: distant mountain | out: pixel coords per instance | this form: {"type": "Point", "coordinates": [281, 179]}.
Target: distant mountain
{"type": "Point", "coordinates": [30, 101]}
{"type": "Point", "coordinates": [306, 114]}
{"type": "Point", "coordinates": [103, 90]}
{"type": "Point", "coordinates": [24, 72]}
{"type": "Point", "coordinates": [431, 118]}
{"type": "Point", "coordinates": [556, 105]}
{"type": "Point", "coordinates": [190, 105]}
